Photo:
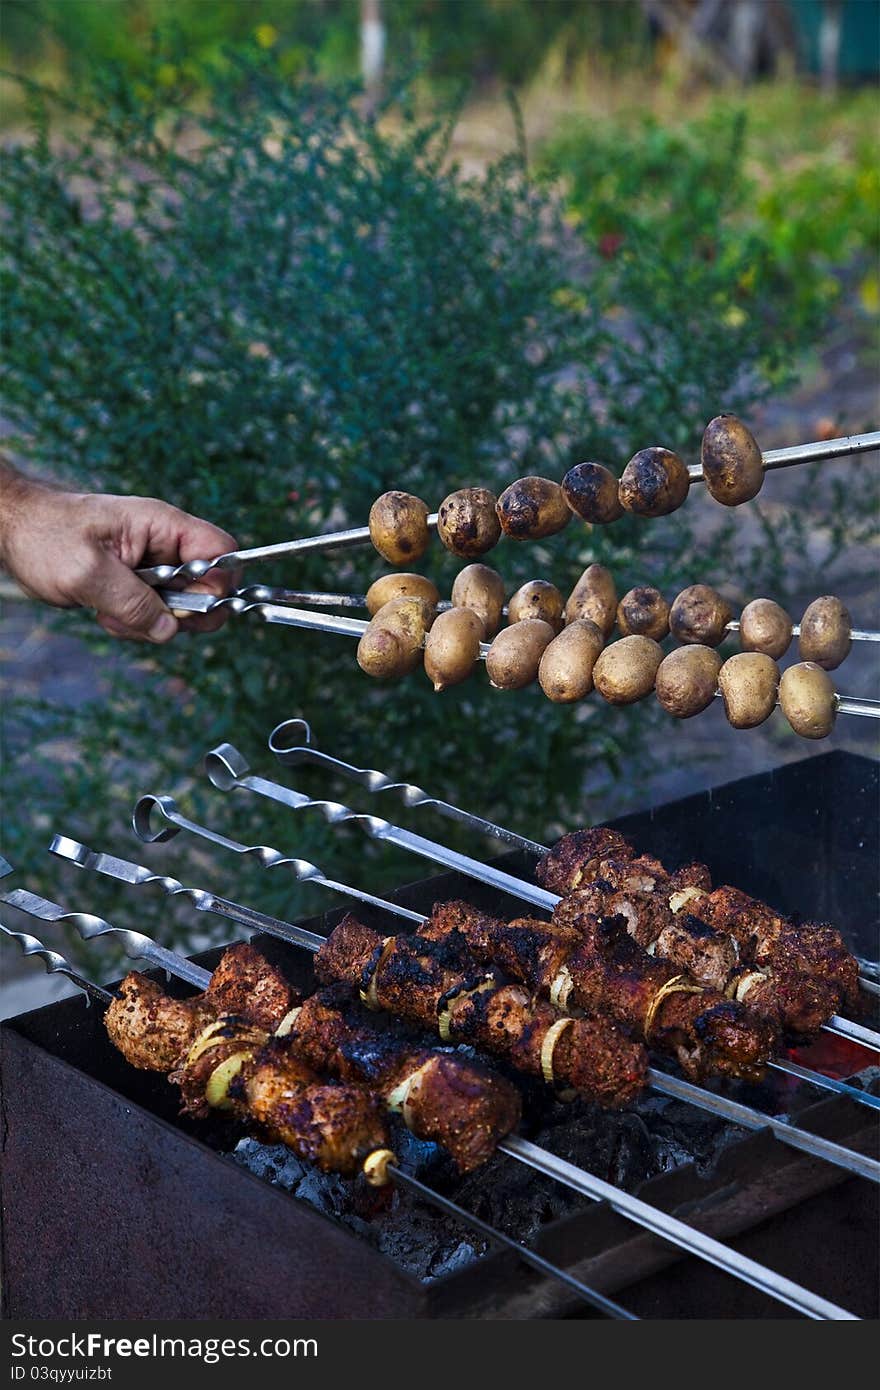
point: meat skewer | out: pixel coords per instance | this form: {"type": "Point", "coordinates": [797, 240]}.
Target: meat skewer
{"type": "Point", "coordinates": [683, 1090]}
{"type": "Point", "coordinates": [669, 1228]}
{"type": "Point", "coordinates": [228, 770]}
{"type": "Point", "coordinates": [379, 1166]}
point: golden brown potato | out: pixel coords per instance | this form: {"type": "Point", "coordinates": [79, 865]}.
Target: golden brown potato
{"type": "Point", "coordinates": [732, 465]}
{"type": "Point", "coordinates": [826, 633]}
{"type": "Point", "coordinates": [626, 671]}
{"type": "Point", "coordinates": [808, 699]}
{"type": "Point", "coordinates": [566, 669]}
{"type": "Point", "coordinates": [467, 523]}
{"type": "Point", "coordinates": [765, 627]}
{"type": "Point", "coordinates": [643, 612]}
{"type": "Point", "coordinates": [748, 683]}
{"type": "Point", "coordinates": [654, 482]}
{"type": "Point", "coordinates": [392, 644]}
{"type": "Point", "coordinates": [399, 527]}
{"type": "Point", "coordinates": [687, 680]}
{"type": "Point", "coordinates": [515, 655]}
{"type": "Point", "coordinates": [452, 647]}
{"type": "Point", "coordinates": [532, 508]}
{"type": "Point", "coordinates": [537, 599]}
{"type": "Point", "coordinates": [482, 590]}
{"type": "Point", "coordinates": [390, 586]}
{"type": "Point", "coordinates": [595, 597]}
{"type": "Point", "coordinates": [590, 489]}
{"type": "Point", "coordinates": [699, 614]}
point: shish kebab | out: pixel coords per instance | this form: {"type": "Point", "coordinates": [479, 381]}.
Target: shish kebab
{"type": "Point", "coordinates": [773, 459]}
{"type": "Point", "coordinates": [228, 770]}
{"type": "Point", "coordinates": [660, 1223]}
{"type": "Point", "coordinates": [292, 743]}
{"type": "Point", "coordinates": [595, 1071]}
{"type": "Point", "coordinates": [331, 1125]}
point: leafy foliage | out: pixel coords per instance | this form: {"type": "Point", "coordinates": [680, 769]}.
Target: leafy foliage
{"type": "Point", "coordinates": [267, 309]}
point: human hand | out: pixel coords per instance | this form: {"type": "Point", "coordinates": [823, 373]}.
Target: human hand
{"type": "Point", "coordinates": [81, 550]}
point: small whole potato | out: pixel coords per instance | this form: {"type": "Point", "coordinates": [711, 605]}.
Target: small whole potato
{"type": "Point", "coordinates": [643, 612]}
{"type": "Point", "coordinates": [626, 671]}
{"type": "Point", "coordinates": [748, 683]}
{"type": "Point", "coordinates": [590, 489]}
{"type": "Point", "coordinates": [733, 468]}
{"type": "Point", "coordinates": [392, 643]}
{"type": "Point", "coordinates": [595, 597]}
{"type": "Point", "coordinates": [566, 670]}
{"type": "Point", "coordinates": [808, 699]}
{"type": "Point", "coordinates": [515, 655]}
{"type": "Point", "coordinates": [399, 527]}
{"type": "Point", "coordinates": [390, 586]}
{"type": "Point", "coordinates": [700, 614]}
{"type": "Point", "coordinates": [826, 632]}
{"type": "Point", "coordinates": [467, 523]}
{"type": "Point", "coordinates": [452, 647]}
{"type": "Point", "coordinates": [482, 590]}
{"type": "Point", "coordinates": [537, 599]}
{"type": "Point", "coordinates": [687, 680]}
{"type": "Point", "coordinates": [765, 627]}
{"type": "Point", "coordinates": [532, 508]}
{"type": "Point", "coordinates": [654, 482]}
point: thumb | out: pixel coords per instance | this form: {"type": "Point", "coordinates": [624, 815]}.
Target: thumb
{"type": "Point", "coordinates": [126, 606]}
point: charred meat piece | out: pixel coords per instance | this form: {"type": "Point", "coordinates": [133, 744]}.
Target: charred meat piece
{"type": "Point", "coordinates": [574, 859]}
{"type": "Point", "coordinates": [227, 1041]}
{"type": "Point", "coordinates": [818, 949]}
{"type": "Point", "coordinates": [246, 984]}
{"type": "Point", "coordinates": [709, 956]}
{"type": "Point", "coordinates": [691, 876]}
{"type": "Point", "coordinates": [151, 1029]}
{"type": "Point", "coordinates": [753, 924]}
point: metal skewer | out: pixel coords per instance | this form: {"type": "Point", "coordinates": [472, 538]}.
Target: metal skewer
{"type": "Point", "coordinates": [228, 770]}
{"type": "Point", "coordinates": [291, 743]}
{"type": "Point", "coordinates": [56, 963]}
{"type": "Point", "coordinates": [660, 1223]}
{"type": "Point", "coordinates": [145, 827]}
{"type": "Point", "coordinates": [816, 452]}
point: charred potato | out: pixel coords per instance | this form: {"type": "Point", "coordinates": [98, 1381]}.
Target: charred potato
{"type": "Point", "coordinates": [687, 680]}
{"type": "Point", "coordinates": [826, 633]}
{"type": "Point", "coordinates": [392, 644]}
{"type": "Point", "coordinates": [515, 655]}
{"type": "Point", "coordinates": [532, 508]}
{"type": "Point", "coordinates": [566, 670]}
{"type": "Point", "coordinates": [699, 614]}
{"type": "Point", "coordinates": [590, 489]}
{"type": "Point", "coordinates": [654, 483]}
{"type": "Point", "coordinates": [748, 682]}
{"type": "Point", "coordinates": [765, 627]}
{"type": "Point", "coordinates": [391, 586]}
{"type": "Point", "coordinates": [626, 671]}
{"type": "Point", "coordinates": [643, 612]}
{"type": "Point", "coordinates": [467, 523]}
{"type": "Point", "coordinates": [595, 597]}
{"type": "Point", "coordinates": [482, 590]}
{"type": "Point", "coordinates": [733, 468]}
{"type": "Point", "coordinates": [399, 527]}
{"type": "Point", "coordinates": [452, 647]}
{"type": "Point", "coordinates": [537, 599]}
{"type": "Point", "coordinates": [808, 699]}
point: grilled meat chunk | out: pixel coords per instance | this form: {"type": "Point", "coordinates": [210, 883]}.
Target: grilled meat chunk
{"type": "Point", "coordinates": [151, 1029]}
{"type": "Point", "coordinates": [246, 984]}
{"type": "Point", "coordinates": [709, 956]}
{"type": "Point", "coordinates": [575, 858]}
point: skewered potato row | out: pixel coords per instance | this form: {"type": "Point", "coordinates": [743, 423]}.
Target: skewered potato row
{"type": "Point", "coordinates": [654, 483]}
{"type": "Point", "coordinates": [564, 648]}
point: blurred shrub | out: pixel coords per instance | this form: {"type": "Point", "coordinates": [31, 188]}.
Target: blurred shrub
{"type": "Point", "coordinates": [267, 311]}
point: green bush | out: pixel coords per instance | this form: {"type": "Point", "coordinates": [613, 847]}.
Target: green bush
{"type": "Point", "coordinates": [268, 310]}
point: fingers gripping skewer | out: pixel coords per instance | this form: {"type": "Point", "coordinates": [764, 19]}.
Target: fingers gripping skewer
{"type": "Point", "coordinates": [660, 1223]}
{"type": "Point", "coordinates": [54, 962]}
{"type": "Point", "coordinates": [144, 823]}
{"type": "Point", "coordinates": [290, 753]}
